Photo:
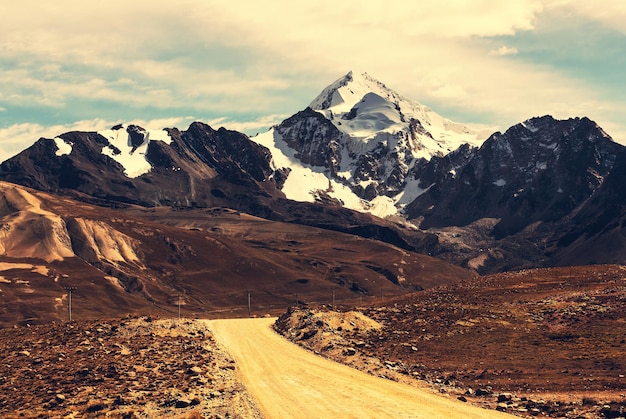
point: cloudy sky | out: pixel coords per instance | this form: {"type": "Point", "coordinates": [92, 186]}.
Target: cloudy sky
{"type": "Point", "coordinates": [247, 65]}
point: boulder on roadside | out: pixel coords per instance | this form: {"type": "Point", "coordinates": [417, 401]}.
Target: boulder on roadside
{"type": "Point", "coordinates": [483, 392]}
{"type": "Point", "coordinates": [504, 397]}
{"type": "Point", "coordinates": [349, 351]}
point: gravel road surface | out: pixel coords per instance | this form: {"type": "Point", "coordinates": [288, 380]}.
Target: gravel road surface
{"type": "Point", "coordinates": [288, 381]}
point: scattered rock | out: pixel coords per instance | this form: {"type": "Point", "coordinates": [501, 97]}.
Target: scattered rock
{"type": "Point", "coordinates": [68, 377]}
{"type": "Point", "coordinates": [182, 403]}
{"type": "Point", "coordinates": [95, 407]}
{"type": "Point", "coordinates": [504, 397]}
{"type": "Point", "coordinates": [481, 392]}
{"type": "Point", "coordinates": [350, 351]}
{"type": "Point", "coordinates": [194, 371]}
{"type": "Point", "coordinates": [502, 407]}
{"type": "Point", "coordinates": [613, 412]}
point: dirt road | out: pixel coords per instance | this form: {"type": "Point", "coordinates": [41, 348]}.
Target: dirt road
{"type": "Point", "coordinates": [288, 381]}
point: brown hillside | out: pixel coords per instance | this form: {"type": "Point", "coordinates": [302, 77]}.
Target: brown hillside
{"type": "Point", "coordinates": [141, 261]}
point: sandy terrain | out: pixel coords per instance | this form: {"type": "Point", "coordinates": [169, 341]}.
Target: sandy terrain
{"type": "Point", "coordinates": [288, 381]}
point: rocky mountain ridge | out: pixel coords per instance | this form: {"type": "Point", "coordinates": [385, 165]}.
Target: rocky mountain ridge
{"type": "Point", "coordinates": [531, 196]}
{"type": "Point", "coordinates": [539, 170]}
{"type": "Point", "coordinates": [187, 170]}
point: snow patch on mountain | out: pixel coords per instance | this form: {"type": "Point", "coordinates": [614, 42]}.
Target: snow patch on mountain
{"type": "Point", "coordinates": [528, 124]}
{"type": "Point", "coordinates": [63, 147]}
{"type": "Point", "coordinates": [305, 183]}
{"type": "Point", "coordinates": [410, 192]}
{"type": "Point", "coordinates": [128, 146]}
{"type": "Point", "coordinates": [381, 206]}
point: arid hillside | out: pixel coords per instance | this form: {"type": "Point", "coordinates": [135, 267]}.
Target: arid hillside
{"type": "Point", "coordinates": [211, 262]}
{"type": "Point", "coordinates": [548, 342]}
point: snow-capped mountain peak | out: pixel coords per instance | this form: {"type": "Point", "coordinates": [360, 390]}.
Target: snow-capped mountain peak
{"type": "Point", "coordinates": [362, 107]}
{"type": "Point", "coordinates": [341, 95]}
{"type": "Point", "coordinates": [362, 142]}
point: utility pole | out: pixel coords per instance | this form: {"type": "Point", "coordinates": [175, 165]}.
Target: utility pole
{"type": "Point", "coordinates": [69, 301]}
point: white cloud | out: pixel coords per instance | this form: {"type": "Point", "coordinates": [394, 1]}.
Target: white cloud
{"type": "Point", "coordinates": [504, 50]}
{"type": "Point", "coordinates": [447, 18]}
{"type": "Point", "coordinates": [224, 58]}
{"type": "Point", "coordinates": [157, 46]}
{"type": "Point", "coordinates": [249, 127]}
{"type": "Point", "coordinates": [608, 12]}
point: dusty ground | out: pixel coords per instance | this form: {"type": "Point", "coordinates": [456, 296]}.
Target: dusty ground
{"type": "Point", "coordinates": [130, 368]}
{"type": "Point", "coordinates": [533, 343]}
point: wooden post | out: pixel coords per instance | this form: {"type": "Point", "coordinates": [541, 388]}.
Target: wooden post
{"type": "Point", "coordinates": [69, 301]}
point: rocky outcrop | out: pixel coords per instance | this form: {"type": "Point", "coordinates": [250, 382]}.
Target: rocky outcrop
{"type": "Point", "coordinates": [29, 231]}
{"type": "Point", "coordinates": [314, 138]}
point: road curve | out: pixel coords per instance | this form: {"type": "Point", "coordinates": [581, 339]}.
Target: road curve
{"type": "Point", "coordinates": [288, 381]}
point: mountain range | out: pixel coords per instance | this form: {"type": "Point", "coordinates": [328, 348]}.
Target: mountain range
{"type": "Point", "coordinates": [361, 163]}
